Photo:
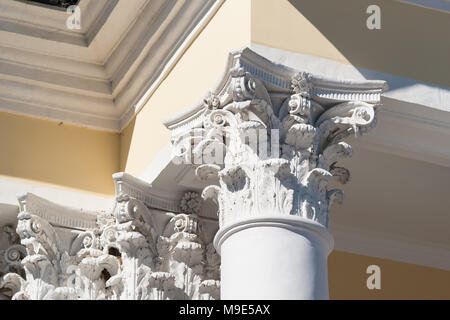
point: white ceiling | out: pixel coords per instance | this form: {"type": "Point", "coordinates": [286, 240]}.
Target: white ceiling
{"type": "Point", "coordinates": [94, 76]}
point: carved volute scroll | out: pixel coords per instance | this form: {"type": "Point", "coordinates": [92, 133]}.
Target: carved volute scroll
{"type": "Point", "coordinates": [135, 252]}
{"type": "Point", "coordinates": [10, 258]}
{"type": "Point", "coordinates": [272, 138]}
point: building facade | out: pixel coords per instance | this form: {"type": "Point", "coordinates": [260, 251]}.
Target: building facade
{"type": "Point", "coordinates": [201, 150]}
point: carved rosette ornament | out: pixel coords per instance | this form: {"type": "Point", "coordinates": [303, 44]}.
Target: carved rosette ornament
{"type": "Point", "coordinates": [271, 141]}
{"type": "Point", "coordinates": [10, 259]}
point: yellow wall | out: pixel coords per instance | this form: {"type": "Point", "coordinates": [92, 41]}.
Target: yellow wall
{"type": "Point", "coordinates": [347, 279]}
{"type": "Point", "coordinates": [196, 72]}
{"type": "Point", "coordinates": [412, 42]}
{"type": "Point", "coordinates": [48, 153]}
{"type": "Point", "coordinates": [66, 156]}
{"type": "Point", "coordinates": [278, 23]}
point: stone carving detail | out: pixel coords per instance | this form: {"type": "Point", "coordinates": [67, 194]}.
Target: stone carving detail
{"type": "Point", "coordinates": [191, 203]}
{"type": "Point", "coordinates": [272, 155]}
{"type": "Point", "coordinates": [266, 142]}
{"type": "Point", "coordinates": [10, 259]}
{"type": "Point", "coordinates": [124, 258]}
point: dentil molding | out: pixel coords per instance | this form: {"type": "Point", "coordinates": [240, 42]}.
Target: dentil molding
{"type": "Point", "coordinates": [101, 75]}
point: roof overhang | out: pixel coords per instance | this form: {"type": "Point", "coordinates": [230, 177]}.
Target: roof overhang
{"type": "Point", "coordinates": [100, 75]}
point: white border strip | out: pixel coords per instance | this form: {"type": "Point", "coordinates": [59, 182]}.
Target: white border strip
{"type": "Point", "coordinates": [10, 190]}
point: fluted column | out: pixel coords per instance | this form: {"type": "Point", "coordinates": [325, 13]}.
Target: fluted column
{"type": "Point", "coordinates": [270, 152]}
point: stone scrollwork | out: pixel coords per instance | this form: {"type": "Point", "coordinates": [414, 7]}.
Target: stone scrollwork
{"type": "Point", "coordinates": [10, 262]}
{"type": "Point", "coordinates": [191, 203]}
{"type": "Point", "coordinates": [134, 253]}
{"type": "Point", "coordinates": [272, 148]}
{"type": "Point", "coordinates": [266, 141]}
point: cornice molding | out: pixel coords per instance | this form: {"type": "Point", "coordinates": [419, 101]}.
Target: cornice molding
{"type": "Point", "coordinates": [157, 65]}
{"type": "Point", "coordinates": [277, 78]}
{"type": "Point", "coordinates": [422, 110]}
{"type": "Point", "coordinates": [128, 74]}
{"type": "Point", "coordinates": [139, 189]}
{"type": "Point", "coordinates": [57, 215]}
{"type": "Point", "coordinates": [50, 24]}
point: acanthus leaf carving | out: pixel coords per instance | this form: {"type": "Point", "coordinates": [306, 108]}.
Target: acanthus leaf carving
{"type": "Point", "coordinates": [279, 149]}
{"type": "Point", "coordinates": [128, 256]}
{"type": "Point", "coordinates": [267, 141]}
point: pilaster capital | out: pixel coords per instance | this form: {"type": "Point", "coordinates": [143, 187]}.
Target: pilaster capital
{"type": "Point", "coordinates": [269, 138]}
{"type": "Point", "coordinates": [135, 251]}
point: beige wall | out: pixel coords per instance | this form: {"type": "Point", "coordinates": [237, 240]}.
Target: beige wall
{"type": "Point", "coordinates": [66, 156]}
{"type": "Point", "coordinates": [412, 42]}
{"type": "Point", "coordinates": [195, 73]}
{"type": "Point", "coordinates": [347, 279]}
{"type": "Point", "coordinates": [47, 153]}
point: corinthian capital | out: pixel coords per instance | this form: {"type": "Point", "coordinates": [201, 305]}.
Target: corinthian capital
{"type": "Point", "coordinates": [269, 138]}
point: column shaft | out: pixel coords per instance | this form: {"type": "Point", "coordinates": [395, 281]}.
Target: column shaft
{"type": "Point", "coordinates": [274, 258]}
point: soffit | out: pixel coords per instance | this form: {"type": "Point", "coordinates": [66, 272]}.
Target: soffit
{"type": "Point", "coordinates": [88, 76]}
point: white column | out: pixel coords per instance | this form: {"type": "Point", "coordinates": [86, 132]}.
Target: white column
{"type": "Point", "coordinates": [274, 258]}
{"type": "Point", "coordinates": [274, 209]}
{"type": "Point", "coordinates": [270, 149]}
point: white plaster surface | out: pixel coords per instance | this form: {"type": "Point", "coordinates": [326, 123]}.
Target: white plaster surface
{"type": "Point", "coordinates": [274, 258]}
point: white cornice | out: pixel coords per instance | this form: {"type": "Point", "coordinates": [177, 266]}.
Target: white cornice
{"type": "Point", "coordinates": [400, 88]}
{"type": "Point", "coordinates": [42, 22]}
{"type": "Point", "coordinates": [105, 90]}
{"type": "Point", "coordinates": [9, 190]}
{"type": "Point", "coordinates": [421, 110]}
{"type": "Point", "coordinates": [277, 78]}
{"type": "Point", "coordinates": [57, 215]}
{"type": "Point", "coordinates": [147, 40]}
{"type": "Point", "coordinates": [153, 71]}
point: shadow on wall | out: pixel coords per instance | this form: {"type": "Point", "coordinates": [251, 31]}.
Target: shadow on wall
{"type": "Point", "coordinates": [347, 274]}
{"type": "Point", "coordinates": [412, 41]}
